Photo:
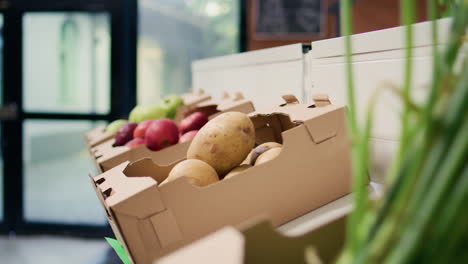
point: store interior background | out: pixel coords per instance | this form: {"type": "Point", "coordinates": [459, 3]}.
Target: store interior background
{"type": "Point", "coordinates": [171, 34]}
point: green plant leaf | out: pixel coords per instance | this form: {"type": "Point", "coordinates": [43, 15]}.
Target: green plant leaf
{"type": "Point", "coordinates": [119, 250]}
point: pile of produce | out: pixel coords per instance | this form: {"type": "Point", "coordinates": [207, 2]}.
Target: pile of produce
{"type": "Point", "coordinates": [222, 149]}
{"type": "Point", "coordinates": [158, 134]}
{"type": "Point", "coordinates": [153, 127]}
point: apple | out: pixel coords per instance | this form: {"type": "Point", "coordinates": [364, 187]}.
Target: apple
{"type": "Point", "coordinates": [114, 126]}
{"type": "Point", "coordinates": [170, 105]}
{"type": "Point", "coordinates": [146, 112]}
{"type": "Point", "coordinates": [194, 121]}
{"type": "Point", "coordinates": [135, 143]}
{"type": "Point", "coordinates": [161, 133]}
{"type": "Point", "coordinates": [140, 130]}
{"type": "Point", "coordinates": [124, 134]}
{"type": "Point", "coordinates": [188, 136]}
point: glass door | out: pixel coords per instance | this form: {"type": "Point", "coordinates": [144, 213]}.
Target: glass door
{"type": "Point", "coordinates": [66, 66]}
{"type": "Point", "coordinates": [71, 67]}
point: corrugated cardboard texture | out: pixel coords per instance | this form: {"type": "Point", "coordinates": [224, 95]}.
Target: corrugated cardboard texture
{"type": "Point", "coordinates": [106, 157]}
{"type": "Point", "coordinates": [313, 169]}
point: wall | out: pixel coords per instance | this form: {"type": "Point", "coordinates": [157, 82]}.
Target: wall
{"type": "Point", "coordinates": [255, 44]}
{"type": "Point", "coordinates": [368, 15]}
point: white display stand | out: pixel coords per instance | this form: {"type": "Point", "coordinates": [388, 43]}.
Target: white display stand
{"type": "Point", "coordinates": [262, 76]}
{"type": "Point", "coordinates": [378, 64]}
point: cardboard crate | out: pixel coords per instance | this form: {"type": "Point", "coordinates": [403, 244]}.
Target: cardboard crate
{"type": "Point", "coordinates": [313, 169]}
{"type": "Point", "coordinates": [98, 135]}
{"type": "Point", "coordinates": [258, 241]}
{"type": "Point", "coordinates": [106, 157]}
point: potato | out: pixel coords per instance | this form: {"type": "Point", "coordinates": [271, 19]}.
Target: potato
{"type": "Point", "coordinates": [253, 155]}
{"type": "Point", "coordinates": [224, 142]}
{"type": "Point", "coordinates": [267, 156]}
{"type": "Point", "coordinates": [237, 170]}
{"type": "Point", "coordinates": [197, 173]}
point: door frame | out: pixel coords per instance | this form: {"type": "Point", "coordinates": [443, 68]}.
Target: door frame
{"type": "Point", "coordinates": [123, 31]}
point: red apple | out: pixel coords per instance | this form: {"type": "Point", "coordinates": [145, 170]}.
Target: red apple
{"type": "Point", "coordinates": [188, 136]}
{"type": "Point", "coordinates": [135, 143]}
{"type": "Point", "coordinates": [140, 130]}
{"type": "Point", "coordinates": [161, 133]}
{"type": "Point", "coordinates": [124, 134]}
{"type": "Point", "coordinates": [194, 121]}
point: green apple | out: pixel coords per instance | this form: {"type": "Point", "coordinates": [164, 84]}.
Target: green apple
{"type": "Point", "coordinates": [115, 125]}
{"type": "Point", "coordinates": [170, 105]}
{"type": "Point", "coordinates": [146, 112]}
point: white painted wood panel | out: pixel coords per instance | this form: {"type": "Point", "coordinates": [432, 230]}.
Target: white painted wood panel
{"type": "Point", "coordinates": [378, 62]}
{"type": "Point", "coordinates": [262, 76]}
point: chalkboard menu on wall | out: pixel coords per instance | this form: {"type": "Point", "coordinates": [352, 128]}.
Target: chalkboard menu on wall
{"type": "Point", "coordinates": [289, 18]}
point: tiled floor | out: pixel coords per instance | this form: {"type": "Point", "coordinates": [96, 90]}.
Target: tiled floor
{"type": "Point", "coordinates": [52, 250]}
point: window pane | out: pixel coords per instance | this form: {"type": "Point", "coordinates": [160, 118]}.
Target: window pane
{"type": "Point", "coordinates": [173, 33]}
{"type": "Point", "coordinates": [66, 62]}
{"type": "Point", "coordinates": [56, 164]}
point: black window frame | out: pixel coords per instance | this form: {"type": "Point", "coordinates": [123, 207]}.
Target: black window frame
{"type": "Point", "coordinates": [123, 17]}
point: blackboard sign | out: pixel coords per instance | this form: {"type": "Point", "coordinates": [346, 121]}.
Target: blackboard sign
{"type": "Point", "coordinates": [291, 18]}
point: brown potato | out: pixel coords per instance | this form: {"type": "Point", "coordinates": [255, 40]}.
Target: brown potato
{"type": "Point", "coordinates": [253, 155]}
{"type": "Point", "coordinates": [197, 173]}
{"type": "Point", "coordinates": [237, 170]}
{"type": "Point", "coordinates": [267, 156]}
{"type": "Point", "coordinates": [224, 142]}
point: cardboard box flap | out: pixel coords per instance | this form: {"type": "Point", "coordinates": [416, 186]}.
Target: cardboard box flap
{"type": "Point", "coordinates": [95, 132]}
{"type": "Point", "coordinates": [97, 136]}
{"type": "Point", "coordinates": [146, 167]}
{"type": "Point", "coordinates": [228, 105]}
{"type": "Point", "coordinates": [213, 107]}
{"type": "Point", "coordinates": [102, 151]}
{"type": "Point", "coordinates": [325, 126]}
{"type": "Point", "coordinates": [297, 112]}
{"type": "Point", "coordinates": [115, 188]}
{"type": "Point", "coordinates": [214, 102]}
{"type": "Point", "coordinates": [191, 99]}
{"type": "Point", "coordinates": [109, 157]}
{"type": "Point", "coordinates": [99, 149]}
{"type": "Point", "coordinates": [321, 119]}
